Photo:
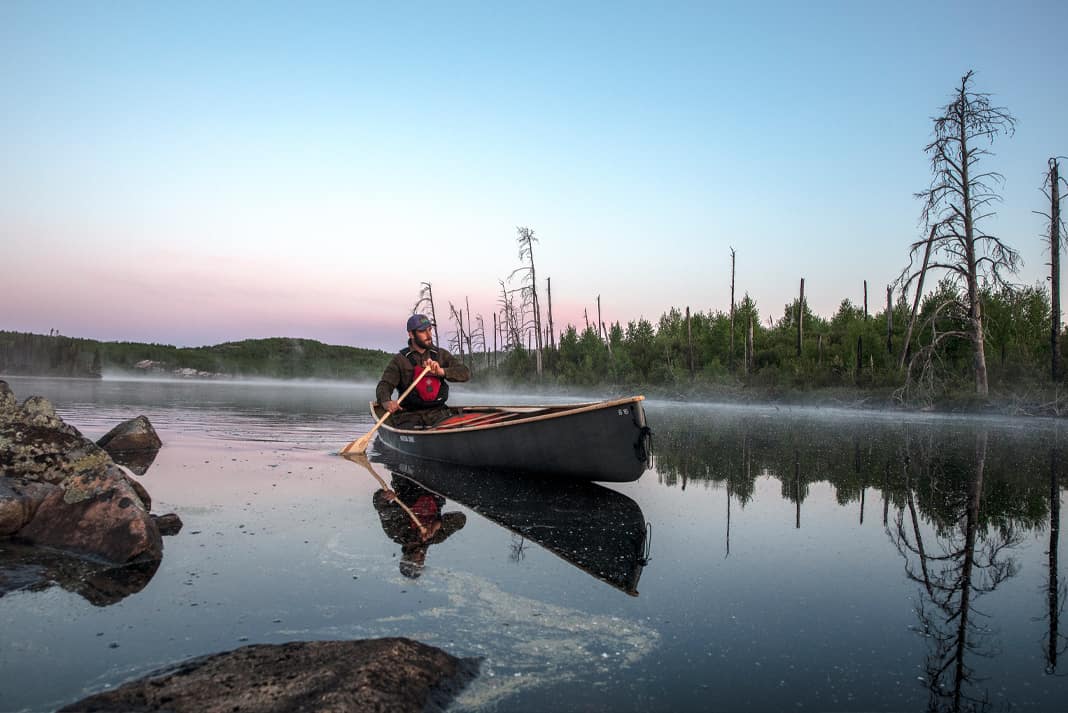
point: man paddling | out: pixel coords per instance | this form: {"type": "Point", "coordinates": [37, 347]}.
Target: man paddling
{"type": "Point", "coordinates": [425, 405]}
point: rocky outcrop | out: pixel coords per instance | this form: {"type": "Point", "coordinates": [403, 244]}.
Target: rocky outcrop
{"type": "Point", "coordinates": [62, 490]}
{"type": "Point", "coordinates": [370, 675]}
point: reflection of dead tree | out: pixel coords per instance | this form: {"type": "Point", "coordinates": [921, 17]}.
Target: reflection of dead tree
{"type": "Point", "coordinates": [518, 548]}
{"type": "Point", "coordinates": [1057, 643]}
{"type": "Point", "coordinates": [964, 569]}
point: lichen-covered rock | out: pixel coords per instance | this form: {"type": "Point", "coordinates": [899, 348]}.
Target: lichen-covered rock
{"type": "Point", "coordinates": [19, 500]}
{"type": "Point", "coordinates": [372, 675]}
{"type": "Point", "coordinates": [98, 514]}
{"type": "Point", "coordinates": [135, 434]}
{"type": "Point", "coordinates": [82, 501]}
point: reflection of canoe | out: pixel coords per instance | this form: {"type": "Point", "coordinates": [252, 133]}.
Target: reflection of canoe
{"type": "Point", "coordinates": [606, 440]}
{"type": "Point", "coordinates": [598, 530]}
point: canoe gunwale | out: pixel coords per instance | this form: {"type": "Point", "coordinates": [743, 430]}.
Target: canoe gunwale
{"type": "Point", "coordinates": [554, 412]}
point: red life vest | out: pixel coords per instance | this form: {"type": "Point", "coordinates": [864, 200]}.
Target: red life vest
{"type": "Point", "coordinates": [430, 391]}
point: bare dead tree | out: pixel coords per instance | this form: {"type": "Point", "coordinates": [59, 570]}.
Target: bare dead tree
{"type": "Point", "coordinates": [959, 198]}
{"type": "Point", "coordinates": [458, 339]}
{"type": "Point", "coordinates": [889, 320]}
{"type": "Point", "coordinates": [470, 348]}
{"type": "Point", "coordinates": [510, 322]}
{"type": "Point", "coordinates": [730, 358]}
{"type": "Point", "coordinates": [526, 240]}
{"type": "Point", "coordinates": [426, 299]}
{"type": "Point", "coordinates": [1052, 190]}
{"type": "Point", "coordinates": [477, 337]}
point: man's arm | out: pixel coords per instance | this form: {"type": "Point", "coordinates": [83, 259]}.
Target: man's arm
{"type": "Point", "coordinates": [391, 378]}
{"type": "Point", "coordinates": [454, 370]}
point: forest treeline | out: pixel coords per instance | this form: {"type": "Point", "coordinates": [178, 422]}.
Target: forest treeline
{"type": "Point", "coordinates": [277, 358]}
{"type": "Point", "coordinates": [686, 353]}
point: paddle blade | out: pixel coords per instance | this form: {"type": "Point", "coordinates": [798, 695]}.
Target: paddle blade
{"type": "Point", "coordinates": [358, 446]}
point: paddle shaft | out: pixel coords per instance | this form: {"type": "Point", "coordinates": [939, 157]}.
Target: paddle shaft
{"type": "Point", "coordinates": [360, 444]}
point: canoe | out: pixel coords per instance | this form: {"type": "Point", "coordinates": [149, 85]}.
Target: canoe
{"type": "Point", "coordinates": [600, 441]}
{"type": "Point", "coordinates": [598, 530]}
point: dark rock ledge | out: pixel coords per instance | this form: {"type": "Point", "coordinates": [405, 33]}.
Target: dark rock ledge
{"type": "Point", "coordinates": [369, 676]}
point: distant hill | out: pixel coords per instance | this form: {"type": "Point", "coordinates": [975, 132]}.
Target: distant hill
{"type": "Point", "coordinates": [277, 358]}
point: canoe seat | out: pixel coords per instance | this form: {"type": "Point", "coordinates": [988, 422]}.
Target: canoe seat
{"type": "Point", "coordinates": [472, 419]}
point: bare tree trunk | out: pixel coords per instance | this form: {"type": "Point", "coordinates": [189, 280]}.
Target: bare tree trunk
{"type": "Point", "coordinates": [819, 349]}
{"type": "Point", "coordinates": [1053, 587]}
{"type": "Point", "coordinates": [1055, 269]}
{"type": "Point", "coordinates": [600, 324]}
{"type": "Point", "coordinates": [750, 361]}
{"type": "Point", "coordinates": [689, 340]}
{"type": "Point", "coordinates": [470, 349]}
{"type": "Point", "coordinates": [552, 330]}
{"type": "Point", "coordinates": [860, 358]}
{"type": "Point", "coordinates": [916, 300]}
{"type": "Point", "coordinates": [730, 359]}
{"type": "Point", "coordinates": [865, 299]}
{"type": "Point", "coordinates": [975, 310]}
{"type": "Point", "coordinates": [889, 320]}
{"type": "Point", "coordinates": [495, 328]}
{"type": "Point", "coordinates": [607, 342]}
{"type": "Point", "coordinates": [586, 316]}
{"type": "Point", "coordinates": [800, 316]}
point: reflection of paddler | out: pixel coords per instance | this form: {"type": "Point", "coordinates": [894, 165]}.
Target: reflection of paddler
{"type": "Point", "coordinates": [427, 507]}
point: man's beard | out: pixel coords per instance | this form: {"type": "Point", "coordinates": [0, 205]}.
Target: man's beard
{"type": "Point", "coordinates": [420, 343]}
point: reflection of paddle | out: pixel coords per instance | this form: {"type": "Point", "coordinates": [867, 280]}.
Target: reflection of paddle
{"type": "Point", "coordinates": [362, 460]}
{"type": "Point", "coordinates": [360, 444]}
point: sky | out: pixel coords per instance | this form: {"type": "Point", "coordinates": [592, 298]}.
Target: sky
{"type": "Point", "coordinates": [193, 173]}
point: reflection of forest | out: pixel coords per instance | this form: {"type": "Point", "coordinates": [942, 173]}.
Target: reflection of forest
{"type": "Point", "coordinates": [862, 461]}
{"type": "Point", "coordinates": [957, 500]}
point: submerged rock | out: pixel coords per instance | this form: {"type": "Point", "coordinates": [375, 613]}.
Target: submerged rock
{"type": "Point", "coordinates": [169, 524]}
{"type": "Point", "coordinates": [392, 674]}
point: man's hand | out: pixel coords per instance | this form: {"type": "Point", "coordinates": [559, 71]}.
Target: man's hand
{"type": "Point", "coordinates": [435, 368]}
{"type": "Point", "coordinates": [392, 406]}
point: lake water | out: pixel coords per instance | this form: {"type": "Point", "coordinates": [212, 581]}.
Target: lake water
{"type": "Point", "coordinates": [770, 559]}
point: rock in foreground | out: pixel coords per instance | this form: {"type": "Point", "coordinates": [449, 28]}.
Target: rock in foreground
{"type": "Point", "coordinates": [368, 675]}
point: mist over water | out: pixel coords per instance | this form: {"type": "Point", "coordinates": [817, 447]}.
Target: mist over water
{"type": "Point", "coordinates": [772, 558]}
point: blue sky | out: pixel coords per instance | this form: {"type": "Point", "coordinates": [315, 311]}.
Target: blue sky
{"type": "Point", "coordinates": [194, 173]}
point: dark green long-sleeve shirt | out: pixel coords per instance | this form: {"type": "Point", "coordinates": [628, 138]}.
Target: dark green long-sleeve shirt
{"type": "Point", "coordinates": [400, 372]}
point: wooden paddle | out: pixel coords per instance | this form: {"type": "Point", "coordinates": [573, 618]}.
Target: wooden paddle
{"type": "Point", "coordinates": [361, 458]}
{"type": "Point", "coordinates": [361, 443]}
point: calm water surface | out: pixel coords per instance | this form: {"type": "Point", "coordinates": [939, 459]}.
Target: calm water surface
{"type": "Point", "coordinates": [771, 559]}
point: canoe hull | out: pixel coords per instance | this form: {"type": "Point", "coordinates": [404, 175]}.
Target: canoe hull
{"type": "Point", "coordinates": [606, 441]}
